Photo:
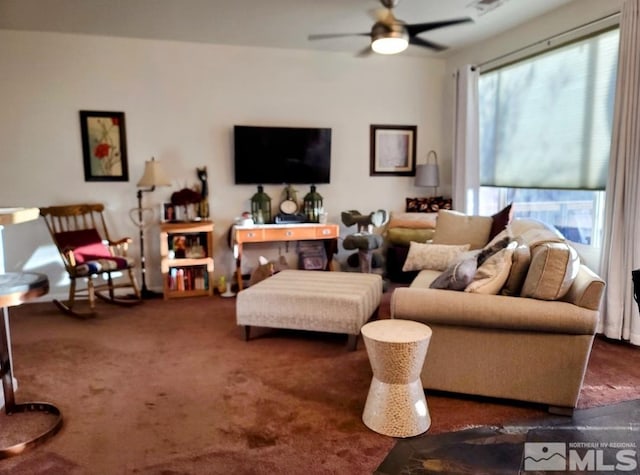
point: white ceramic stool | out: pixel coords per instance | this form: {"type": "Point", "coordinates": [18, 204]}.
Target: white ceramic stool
{"type": "Point", "coordinates": [396, 405]}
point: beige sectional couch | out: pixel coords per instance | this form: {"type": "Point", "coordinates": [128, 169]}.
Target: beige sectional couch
{"type": "Point", "coordinates": [524, 333]}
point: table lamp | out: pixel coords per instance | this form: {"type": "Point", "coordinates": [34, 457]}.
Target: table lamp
{"type": "Point", "coordinates": [428, 174]}
{"type": "Point", "coordinates": [153, 176]}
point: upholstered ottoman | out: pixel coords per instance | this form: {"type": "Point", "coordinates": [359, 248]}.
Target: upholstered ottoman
{"type": "Point", "coordinates": [335, 302]}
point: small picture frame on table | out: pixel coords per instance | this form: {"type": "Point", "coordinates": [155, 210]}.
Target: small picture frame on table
{"type": "Point", "coordinates": [169, 213]}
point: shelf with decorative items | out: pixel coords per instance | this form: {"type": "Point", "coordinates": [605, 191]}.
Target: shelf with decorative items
{"type": "Point", "coordinates": [187, 258]}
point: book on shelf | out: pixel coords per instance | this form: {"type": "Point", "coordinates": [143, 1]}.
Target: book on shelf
{"type": "Point", "coordinates": [188, 278]}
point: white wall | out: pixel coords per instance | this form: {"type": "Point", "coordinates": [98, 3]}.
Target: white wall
{"type": "Point", "coordinates": [181, 101]}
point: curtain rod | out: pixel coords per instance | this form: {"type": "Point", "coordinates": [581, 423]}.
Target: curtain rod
{"type": "Point", "coordinates": [550, 38]}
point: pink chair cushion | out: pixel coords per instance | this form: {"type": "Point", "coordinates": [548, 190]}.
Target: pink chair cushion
{"type": "Point", "coordinates": [87, 245]}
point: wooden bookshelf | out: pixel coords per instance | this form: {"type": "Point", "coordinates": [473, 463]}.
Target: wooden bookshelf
{"type": "Point", "coordinates": [187, 259]}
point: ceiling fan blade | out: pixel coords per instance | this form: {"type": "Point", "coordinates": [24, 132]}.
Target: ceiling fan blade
{"type": "Point", "coordinates": [365, 52]}
{"type": "Point", "coordinates": [417, 41]}
{"type": "Point", "coordinates": [418, 28]}
{"type": "Point", "coordinates": [336, 35]}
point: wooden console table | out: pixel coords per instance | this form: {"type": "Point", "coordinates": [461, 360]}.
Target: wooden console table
{"type": "Point", "coordinates": [283, 232]}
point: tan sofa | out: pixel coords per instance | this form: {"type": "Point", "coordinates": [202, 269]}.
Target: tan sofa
{"type": "Point", "coordinates": [510, 346]}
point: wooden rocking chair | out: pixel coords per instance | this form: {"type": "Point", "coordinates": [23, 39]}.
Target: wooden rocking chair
{"type": "Point", "coordinates": [80, 233]}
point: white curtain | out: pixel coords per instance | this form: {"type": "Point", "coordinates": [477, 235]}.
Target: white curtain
{"type": "Point", "coordinates": [621, 250]}
{"type": "Point", "coordinates": [466, 162]}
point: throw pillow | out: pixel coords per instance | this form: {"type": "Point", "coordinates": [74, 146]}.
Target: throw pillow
{"type": "Point", "coordinates": [501, 220]}
{"type": "Point", "coordinates": [493, 273]}
{"type": "Point", "coordinates": [454, 227]}
{"type": "Point", "coordinates": [457, 276]}
{"type": "Point", "coordinates": [86, 244]}
{"type": "Point", "coordinates": [413, 220]}
{"type": "Point", "coordinates": [553, 268]}
{"type": "Point", "coordinates": [519, 267]}
{"type": "Point", "coordinates": [427, 205]}
{"type": "Point", "coordinates": [404, 236]}
{"type": "Point", "coordinates": [491, 248]}
{"type": "Point", "coordinates": [432, 256]}
{"type": "Point", "coordinates": [533, 237]}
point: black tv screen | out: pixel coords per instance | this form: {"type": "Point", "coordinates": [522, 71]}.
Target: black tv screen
{"type": "Point", "coordinates": [277, 155]}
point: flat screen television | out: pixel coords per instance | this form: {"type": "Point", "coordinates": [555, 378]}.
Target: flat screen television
{"type": "Point", "coordinates": [277, 155]}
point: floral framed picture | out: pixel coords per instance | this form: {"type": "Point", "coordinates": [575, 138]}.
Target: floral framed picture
{"type": "Point", "coordinates": [104, 146]}
{"type": "Point", "coordinates": [393, 150]}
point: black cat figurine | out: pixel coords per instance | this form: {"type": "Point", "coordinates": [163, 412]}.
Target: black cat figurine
{"type": "Point", "coordinates": [202, 176]}
{"type": "Point", "coordinates": [203, 209]}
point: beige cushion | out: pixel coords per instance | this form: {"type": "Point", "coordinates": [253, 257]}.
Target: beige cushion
{"type": "Point", "coordinates": [533, 237]}
{"type": "Point", "coordinates": [432, 256]}
{"type": "Point", "coordinates": [552, 270]}
{"type": "Point", "coordinates": [404, 236]}
{"type": "Point", "coordinates": [519, 268]}
{"type": "Point", "coordinates": [413, 220]}
{"type": "Point", "coordinates": [424, 279]}
{"type": "Point", "coordinates": [493, 273]}
{"type": "Point", "coordinates": [337, 302]}
{"type": "Point", "coordinates": [454, 227]}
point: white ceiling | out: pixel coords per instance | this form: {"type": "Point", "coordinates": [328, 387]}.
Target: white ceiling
{"type": "Point", "coordinates": [267, 23]}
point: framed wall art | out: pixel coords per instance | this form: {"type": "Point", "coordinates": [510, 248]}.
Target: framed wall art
{"type": "Point", "coordinates": [393, 150]}
{"type": "Point", "coordinates": [104, 146]}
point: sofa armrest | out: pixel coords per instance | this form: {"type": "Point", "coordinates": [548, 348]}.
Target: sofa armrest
{"type": "Point", "coordinates": [449, 307]}
{"type": "Point", "coordinates": [587, 289]}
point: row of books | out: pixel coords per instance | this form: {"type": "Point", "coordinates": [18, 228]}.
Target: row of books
{"type": "Point", "coordinates": [188, 278]}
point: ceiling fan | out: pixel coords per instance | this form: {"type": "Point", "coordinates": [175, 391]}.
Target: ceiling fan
{"type": "Point", "coordinates": [390, 35]}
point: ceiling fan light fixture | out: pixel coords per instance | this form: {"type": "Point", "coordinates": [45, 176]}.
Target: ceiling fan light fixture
{"type": "Point", "coordinates": [389, 45]}
{"type": "Point", "coordinates": [390, 35]}
{"type": "Point", "coordinates": [389, 39]}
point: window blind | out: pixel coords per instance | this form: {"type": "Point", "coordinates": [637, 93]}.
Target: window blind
{"type": "Point", "coordinates": [545, 122]}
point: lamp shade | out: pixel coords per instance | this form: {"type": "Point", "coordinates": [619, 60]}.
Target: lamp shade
{"type": "Point", "coordinates": [427, 175]}
{"type": "Point", "coordinates": [153, 175]}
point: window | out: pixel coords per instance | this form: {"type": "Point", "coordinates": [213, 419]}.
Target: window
{"type": "Point", "coordinates": [545, 133]}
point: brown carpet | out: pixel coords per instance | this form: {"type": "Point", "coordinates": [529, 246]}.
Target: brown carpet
{"type": "Point", "coordinates": [169, 387]}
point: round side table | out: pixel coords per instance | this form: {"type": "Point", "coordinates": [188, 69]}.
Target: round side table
{"type": "Point", "coordinates": [396, 405]}
{"type": "Point", "coordinates": [16, 288]}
